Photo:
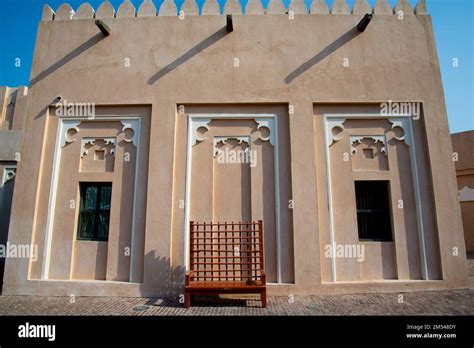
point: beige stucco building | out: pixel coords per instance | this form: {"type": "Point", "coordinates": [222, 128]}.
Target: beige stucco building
{"type": "Point", "coordinates": [13, 103]}
{"type": "Point", "coordinates": [337, 139]}
{"type": "Point", "coordinates": [463, 145]}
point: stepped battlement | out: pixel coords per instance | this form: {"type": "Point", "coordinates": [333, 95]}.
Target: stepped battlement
{"type": "Point", "coordinates": [211, 7]}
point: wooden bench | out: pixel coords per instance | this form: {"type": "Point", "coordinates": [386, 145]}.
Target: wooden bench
{"type": "Point", "coordinates": [226, 258]}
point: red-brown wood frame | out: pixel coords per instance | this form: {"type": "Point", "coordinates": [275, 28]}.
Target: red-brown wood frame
{"type": "Point", "coordinates": [226, 258]}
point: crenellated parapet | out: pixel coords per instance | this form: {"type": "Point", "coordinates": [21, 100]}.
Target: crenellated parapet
{"type": "Point", "coordinates": [211, 7]}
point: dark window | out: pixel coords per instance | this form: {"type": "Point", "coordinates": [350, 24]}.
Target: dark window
{"type": "Point", "coordinates": [94, 211]}
{"type": "Point", "coordinates": [373, 210]}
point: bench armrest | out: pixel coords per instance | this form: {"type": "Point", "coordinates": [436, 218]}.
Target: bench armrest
{"type": "Point", "coordinates": [188, 277]}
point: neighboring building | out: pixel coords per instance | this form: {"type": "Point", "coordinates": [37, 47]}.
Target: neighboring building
{"type": "Point", "coordinates": [463, 147]}
{"type": "Point", "coordinates": [13, 103]}
{"type": "Point", "coordinates": [331, 136]}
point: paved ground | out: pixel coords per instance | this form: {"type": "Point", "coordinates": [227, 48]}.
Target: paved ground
{"type": "Point", "coordinates": [459, 302]}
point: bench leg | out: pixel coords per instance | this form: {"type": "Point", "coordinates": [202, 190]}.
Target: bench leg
{"type": "Point", "coordinates": [263, 298]}
{"type": "Point", "coordinates": [187, 300]}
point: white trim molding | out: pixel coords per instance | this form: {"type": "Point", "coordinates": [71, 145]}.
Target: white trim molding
{"type": "Point", "coordinates": [65, 124]}
{"type": "Point", "coordinates": [357, 139]}
{"type": "Point", "coordinates": [198, 123]}
{"type": "Point", "coordinates": [134, 125]}
{"type": "Point", "coordinates": [335, 123]}
{"type": "Point", "coordinates": [224, 139]}
{"type": "Point", "coordinates": [92, 141]}
{"type": "Point", "coordinates": [400, 124]}
{"type": "Point", "coordinates": [403, 122]}
{"type": "Point", "coordinates": [466, 194]}
{"type": "Point", "coordinates": [269, 121]}
{"type": "Point", "coordinates": [9, 173]}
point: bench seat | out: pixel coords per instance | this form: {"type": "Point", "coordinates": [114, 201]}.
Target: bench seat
{"type": "Point", "coordinates": [226, 258]}
{"type": "Point", "coordinates": [222, 285]}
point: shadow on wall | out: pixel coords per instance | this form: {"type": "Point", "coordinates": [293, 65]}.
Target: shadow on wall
{"type": "Point", "coordinates": [172, 294]}
{"type": "Point", "coordinates": [160, 274]}
{"type": "Point", "coordinates": [67, 58]}
{"type": "Point", "coordinates": [189, 54]}
{"type": "Point", "coordinates": [341, 41]}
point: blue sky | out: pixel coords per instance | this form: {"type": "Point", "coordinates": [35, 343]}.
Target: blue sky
{"type": "Point", "coordinates": [452, 21]}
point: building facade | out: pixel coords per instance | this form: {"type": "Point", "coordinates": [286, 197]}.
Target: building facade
{"type": "Point", "coordinates": [463, 143]}
{"type": "Point", "coordinates": [337, 138]}
{"type": "Point", "coordinates": [13, 103]}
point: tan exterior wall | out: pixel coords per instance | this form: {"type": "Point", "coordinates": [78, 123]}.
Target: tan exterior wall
{"type": "Point", "coordinates": [293, 69]}
{"type": "Point", "coordinates": [463, 144]}
{"type": "Point", "coordinates": [400, 259]}
{"type": "Point", "coordinates": [241, 192]}
{"type": "Point", "coordinates": [13, 107]}
{"type": "Point", "coordinates": [76, 164]}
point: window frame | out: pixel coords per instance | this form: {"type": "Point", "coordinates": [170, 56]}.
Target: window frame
{"type": "Point", "coordinates": [385, 212]}
{"type": "Point", "coordinates": [97, 211]}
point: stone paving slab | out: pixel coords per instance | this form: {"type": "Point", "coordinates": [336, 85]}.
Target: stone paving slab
{"type": "Point", "coordinates": [458, 302]}
{"type": "Point", "coordinates": [455, 302]}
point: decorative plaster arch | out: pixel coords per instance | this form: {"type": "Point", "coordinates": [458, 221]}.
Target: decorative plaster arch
{"type": "Point", "coordinates": [66, 126]}
{"type": "Point", "coordinates": [8, 174]}
{"type": "Point", "coordinates": [195, 125]}
{"type": "Point", "coordinates": [375, 138]}
{"type": "Point", "coordinates": [403, 122]}
{"type": "Point", "coordinates": [223, 140]}
{"type": "Point", "coordinates": [331, 124]}
{"type": "Point", "coordinates": [269, 121]}
{"type": "Point", "coordinates": [134, 125]}
{"type": "Point", "coordinates": [92, 141]}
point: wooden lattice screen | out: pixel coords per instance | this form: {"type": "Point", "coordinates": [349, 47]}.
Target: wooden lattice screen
{"type": "Point", "coordinates": [226, 251]}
